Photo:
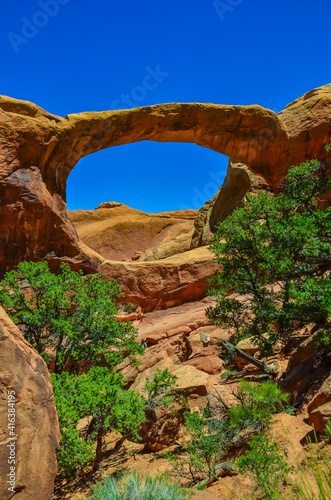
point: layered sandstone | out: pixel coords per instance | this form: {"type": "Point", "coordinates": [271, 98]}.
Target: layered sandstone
{"type": "Point", "coordinates": [160, 284]}
{"type": "Point", "coordinates": [238, 182]}
{"type": "Point", "coordinates": [118, 232]}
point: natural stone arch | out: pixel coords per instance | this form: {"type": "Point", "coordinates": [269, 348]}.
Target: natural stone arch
{"type": "Point", "coordinates": [249, 134]}
{"type": "Point", "coordinates": [38, 150]}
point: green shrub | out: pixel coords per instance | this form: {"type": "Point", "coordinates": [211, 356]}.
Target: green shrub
{"type": "Point", "coordinates": [70, 315]}
{"type": "Point", "coordinates": [257, 403]}
{"type": "Point", "coordinates": [162, 391]}
{"type": "Point", "coordinates": [98, 394]}
{"type": "Point", "coordinates": [73, 453]}
{"type": "Point", "coordinates": [275, 251]}
{"type": "Point", "coordinates": [328, 429]}
{"type": "Point", "coordinates": [126, 307]}
{"type": "Point", "coordinates": [267, 467]}
{"type": "Point", "coordinates": [219, 427]}
{"type": "Point", "coordinates": [135, 487]}
{"type": "Point", "coordinates": [322, 337]}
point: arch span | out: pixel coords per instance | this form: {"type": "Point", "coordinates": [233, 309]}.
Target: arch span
{"type": "Point", "coordinates": [249, 134]}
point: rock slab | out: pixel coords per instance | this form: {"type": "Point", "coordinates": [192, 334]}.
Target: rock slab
{"type": "Point", "coordinates": [24, 377]}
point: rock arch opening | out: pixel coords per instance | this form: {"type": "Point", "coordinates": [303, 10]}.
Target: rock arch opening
{"type": "Point", "coordinates": [149, 176]}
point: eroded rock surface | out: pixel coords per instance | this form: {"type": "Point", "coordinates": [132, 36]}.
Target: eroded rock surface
{"type": "Point", "coordinates": [238, 182]}
{"type": "Point", "coordinates": [160, 284]}
{"type": "Point", "coordinates": [120, 232]}
{"type": "Point", "coordinates": [36, 426]}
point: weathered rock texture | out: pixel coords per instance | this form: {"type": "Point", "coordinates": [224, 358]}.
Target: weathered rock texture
{"type": "Point", "coordinates": [238, 182]}
{"type": "Point", "coordinates": [38, 151]}
{"type": "Point", "coordinates": [177, 336]}
{"type": "Point", "coordinates": [36, 426]}
{"type": "Point", "coordinates": [162, 283]}
{"type": "Point", "coordinates": [120, 232]}
{"type": "Point", "coordinates": [319, 409]}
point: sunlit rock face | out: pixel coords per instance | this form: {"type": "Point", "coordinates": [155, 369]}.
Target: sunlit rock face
{"type": "Point", "coordinates": [27, 441]}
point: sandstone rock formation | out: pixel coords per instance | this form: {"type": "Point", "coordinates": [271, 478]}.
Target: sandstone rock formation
{"type": "Point", "coordinates": [36, 426]}
{"type": "Point", "coordinates": [180, 340]}
{"type": "Point", "coordinates": [120, 232]}
{"type": "Point", "coordinates": [161, 429]}
{"type": "Point", "coordinates": [238, 182]}
{"type": "Point", "coordinates": [162, 283]}
{"type": "Point", "coordinates": [185, 319]}
{"type": "Point", "coordinates": [319, 408]}
{"type": "Point", "coordinates": [323, 395]}
{"type": "Point", "coordinates": [38, 151]}
{"type": "Point", "coordinates": [177, 336]}
{"type": "Point", "coordinates": [320, 416]}
{"type": "Point", "coordinates": [308, 124]}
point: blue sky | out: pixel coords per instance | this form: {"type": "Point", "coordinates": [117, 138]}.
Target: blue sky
{"type": "Point", "coordinates": [69, 56]}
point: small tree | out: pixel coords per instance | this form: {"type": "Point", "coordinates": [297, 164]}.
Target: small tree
{"type": "Point", "coordinates": [67, 316]}
{"type": "Point", "coordinates": [275, 258]}
{"type": "Point", "coordinates": [267, 467]}
{"type": "Point", "coordinates": [98, 394]}
{"type": "Point", "coordinates": [162, 391]}
{"type": "Point", "coordinates": [219, 428]}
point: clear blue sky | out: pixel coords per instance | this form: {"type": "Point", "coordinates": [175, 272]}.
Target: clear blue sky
{"type": "Point", "coordinates": [86, 55]}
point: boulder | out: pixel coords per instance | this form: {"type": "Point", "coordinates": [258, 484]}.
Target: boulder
{"type": "Point", "coordinates": [109, 204]}
{"type": "Point", "coordinates": [323, 396]}
{"type": "Point", "coordinates": [249, 347]}
{"type": "Point", "coordinates": [161, 284]}
{"type": "Point", "coordinates": [171, 352]}
{"type": "Point", "coordinates": [208, 363]}
{"type": "Point", "coordinates": [189, 380]}
{"type": "Point", "coordinates": [140, 381]}
{"type": "Point", "coordinates": [169, 338]}
{"type": "Point", "coordinates": [319, 417]}
{"type": "Point", "coordinates": [304, 380]}
{"type": "Point", "coordinates": [25, 378]}
{"type": "Point", "coordinates": [177, 244]}
{"type": "Point", "coordinates": [225, 392]}
{"type": "Point", "coordinates": [305, 349]}
{"type": "Point", "coordinates": [192, 381]}
{"type": "Point", "coordinates": [238, 182]}
{"type": "Point", "coordinates": [164, 431]}
{"type": "Point", "coordinates": [156, 326]}
{"type": "Point", "coordinates": [135, 315]}
{"type": "Point", "coordinates": [207, 336]}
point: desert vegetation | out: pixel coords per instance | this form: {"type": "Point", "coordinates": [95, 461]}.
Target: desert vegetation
{"type": "Point", "coordinates": [67, 317]}
{"type": "Point", "coordinates": [275, 257]}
